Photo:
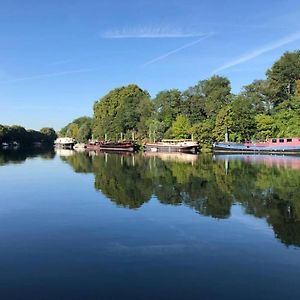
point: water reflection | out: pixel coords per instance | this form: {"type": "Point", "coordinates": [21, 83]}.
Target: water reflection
{"type": "Point", "coordinates": [20, 155]}
{"type": "Point", "coordinates": [279, 161]}
{"type": "Point", "coordinates": [266, 186]}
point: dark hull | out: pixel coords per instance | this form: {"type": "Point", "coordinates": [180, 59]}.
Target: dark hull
{"type": "Point", "coordinates": [240, 148]}
{"type": "Point", "coordinates": [128, 147]}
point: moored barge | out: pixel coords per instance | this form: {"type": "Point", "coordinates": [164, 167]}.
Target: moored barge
{"type": "Point", "coordinates": [173, 146]}
{"type": "Point", "coordinates": [128, 146]}
{"type": "Point", "coordinates": [281, 145]}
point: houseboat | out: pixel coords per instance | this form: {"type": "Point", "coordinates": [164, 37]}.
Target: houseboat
{"type": "Point", "coordinates": [64, 142]}
{"type": "Point", "coordinates": [282, 145]}
{"type": "Point", "coordinates": [128, 146]}
{"type": "Point", "coordinates": [173, 146]}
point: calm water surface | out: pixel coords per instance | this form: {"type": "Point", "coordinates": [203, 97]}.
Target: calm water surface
{"type": "Point", "coordinates": [109, 226]}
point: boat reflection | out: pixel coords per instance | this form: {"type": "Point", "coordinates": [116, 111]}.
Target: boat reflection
{"type": "Point", "coordinates": [173, 156]}
{"type": "Point", "coordinates": [64, 152]}
{"type": "Point", "coordinates": [272, 161]}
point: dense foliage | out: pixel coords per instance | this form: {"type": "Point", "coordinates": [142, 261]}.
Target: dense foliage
{"type": "Point", "coordinates": [79, 129]}
{"type": "Point", "coordinates": [15, 133]}
{"type": "Point", "coordinates": [265, 108]}
{"type": "Point", "coordinates": [123, 110]}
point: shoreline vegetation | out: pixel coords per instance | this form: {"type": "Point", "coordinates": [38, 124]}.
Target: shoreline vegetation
{"type": "Point", "coordinates": [15, 136]}
{"type": "Point", "coordinates": [262, 110]}
{"type": "Point", "coordinates": [206, 111]}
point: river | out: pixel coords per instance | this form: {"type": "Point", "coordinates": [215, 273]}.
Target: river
{"type": "Point", "coordinates": [149, 226]}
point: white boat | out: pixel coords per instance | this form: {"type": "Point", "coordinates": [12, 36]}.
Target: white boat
{"type": "Point", "coordinates": [173, 146]}
{"type": "Point", "coordinates": [64, 142]}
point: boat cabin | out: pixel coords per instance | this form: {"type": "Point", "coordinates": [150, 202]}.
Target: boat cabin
{"type": "Point", "coordinates": [284, 141]}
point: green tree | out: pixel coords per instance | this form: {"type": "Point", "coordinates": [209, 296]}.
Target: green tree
{"type": "Point", "coordinates": [202, 132]}
{"type": "Point", "coordinates": [167, 106]}
{"type": "Point", "coordinates": [48, 135]}
{"type": "Point", "coordinates": [72, 131]}
{"type": "Point", "coordinates": [243, 119]}
{"type": "Point", "coordinates": [17, 133]}
{"type": "Point", "coordinates": [223, 124]}
{"type": "Point", "coordinates": [283, 76]}
{"type": "Point", "coordinates": [259, 94]}
{"type": "Point", "coordinates": [3, 133]}
{"type": "Point", "coordinates": [156, 129]}
{"type": "Point", "coordinates": [287, 117]}
{"type": "Point", "coordinates": [84, 133]}
{"type": "Point", "coordinates": [79, 122]}
{"type": "Point", "coordinates": [216, 91]}
{"type": "Point", "coordinates": [180, 129]}
{"type": "Point", "coordinates": [120, 111]}
{"type": "Point", "coordinates": [265, 125]}
{"type": "Point", "coordinates": [193, 104]}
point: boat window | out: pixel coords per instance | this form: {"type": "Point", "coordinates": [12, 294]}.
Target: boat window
{"type": "Point", "coordinates": [281, 140]}
{"type": "Point", "coordinates": [274, 140]}
{"type": "Point", "coordinates": [288, 140]}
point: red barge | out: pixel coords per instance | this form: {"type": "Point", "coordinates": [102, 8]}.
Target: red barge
{"type": "Point", "coordinates": [128, 146]}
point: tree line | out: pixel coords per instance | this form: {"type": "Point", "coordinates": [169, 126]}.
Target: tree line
{"type": "Point", "coordinates": [263, 109]}
{"type": "Point", "coordinates": [19, 134]}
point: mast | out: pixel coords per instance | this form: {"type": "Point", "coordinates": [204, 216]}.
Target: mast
{"type": "Point", "coordinates": [226, 135]}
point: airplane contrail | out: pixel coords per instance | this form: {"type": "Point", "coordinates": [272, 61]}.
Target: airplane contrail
{"type": "Point", "coordinates": [163, 56]}
{"type": "Point", "coordinates": [257, 52]}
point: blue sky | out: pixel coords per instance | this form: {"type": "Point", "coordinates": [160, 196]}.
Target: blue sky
{"type": "Point", "coordinates": [58, 57]}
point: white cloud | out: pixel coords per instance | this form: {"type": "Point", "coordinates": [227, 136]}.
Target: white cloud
{"type": "Point", "coordinates": [149, 32]}
{"type": "Point", "coordinates": [257, 52]}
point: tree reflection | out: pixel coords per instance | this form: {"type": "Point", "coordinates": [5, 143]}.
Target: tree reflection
{"type": "Point", "coordinates": [19, 156]}
{"type": "Point", "coordinates": [123, 179]}
{"type": "Point", "coordinates": [209, 186]}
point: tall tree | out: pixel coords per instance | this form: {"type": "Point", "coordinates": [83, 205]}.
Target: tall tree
{"type": "Point", "coordinates": [202, 133]}
{"type": "Point", "coordinates": [224, 123]}
{"type": "Point", "coordinates": [79, 122]}
{"type": "Point", "coordinates": [180, 129]}
{"type": "Point", "coordinates": [167, 106]}
{"type": "Point", "coordinates": [72, 130]}
{"type": "Point", "coordinates": [120, 111]}
{"type": "Point", "coordinates": [265, 125]}
{"type": "Point", "coordinates": [48, 135]}
{"type": "Point", "coordinates": [258, 92]}
{"type": "Point", "coordinates": [193, 104]}
{"type": "Point", "coordinates": [216, 91]}
{"type": "Point", "coordinates": [283, 76]}
{"type": "Point", "coordinates": [84, 133]}
{"type": "Point", "coordinates": [243, 119]}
